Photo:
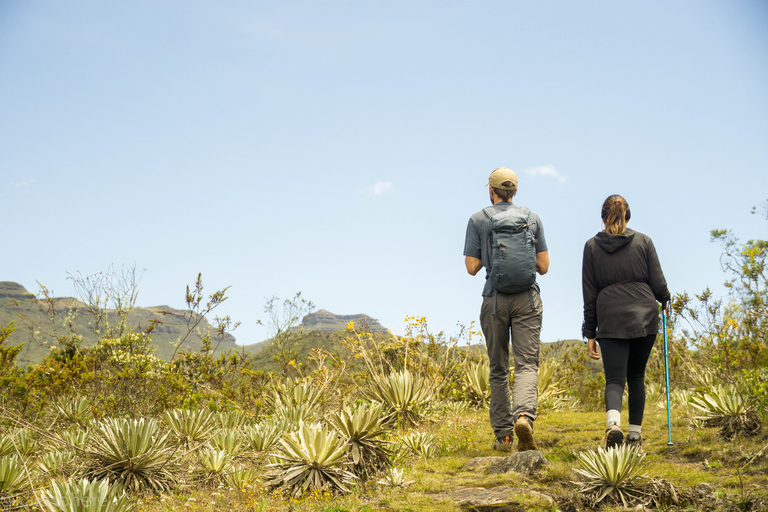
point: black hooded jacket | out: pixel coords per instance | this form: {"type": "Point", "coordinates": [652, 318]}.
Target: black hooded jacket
{"type": "Point", "coordinates": [621, 281]}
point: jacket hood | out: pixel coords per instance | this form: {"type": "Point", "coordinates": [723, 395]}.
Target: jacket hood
{"type": "Point", "coordinates": [612, 243]}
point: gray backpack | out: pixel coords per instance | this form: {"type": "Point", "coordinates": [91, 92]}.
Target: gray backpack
{"type": "Point", "coordinates": [513, 250]}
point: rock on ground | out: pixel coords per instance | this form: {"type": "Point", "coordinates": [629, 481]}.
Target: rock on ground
{"type": "Point", "coordinates": [520, 462]}
{"type": "Point", "coordinates": [496, 499]}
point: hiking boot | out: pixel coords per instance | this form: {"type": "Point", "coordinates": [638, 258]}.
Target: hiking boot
{"type": "Point", "coordinates": [635, 442]}
{"type": "Point", "coordinates": [503, 444]}
{"type": "Point", "coordinates": [613, 436]}
{"type": "Point", "coordinates": [524, 433]}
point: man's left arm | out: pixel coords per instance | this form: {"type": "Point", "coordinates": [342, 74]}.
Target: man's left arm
{"type": "Point", "coordinates": [542, 262]}
{"type": "Point", "coordinates": [542, 254]}
{"type": "Point", "coordinates": [475, 264]}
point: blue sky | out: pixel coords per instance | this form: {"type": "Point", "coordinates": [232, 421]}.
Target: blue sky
{"type": "Point", "coordinates": [338, 148]}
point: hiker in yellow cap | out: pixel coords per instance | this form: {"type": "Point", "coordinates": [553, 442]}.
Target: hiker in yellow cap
{"type": "Point", "coordinates": [508, 240]}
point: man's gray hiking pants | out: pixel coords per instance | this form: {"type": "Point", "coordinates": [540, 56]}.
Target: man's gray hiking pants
{"type": "Point", "coordinates": [518, 315]}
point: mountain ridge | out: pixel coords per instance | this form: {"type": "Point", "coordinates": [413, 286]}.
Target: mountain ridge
{"type": "Point", "coordinates": [38, 326]}
{"type": "Point", "coordinates": [16, 301]}
{"type": "Point", "coordinates": [324, 321]}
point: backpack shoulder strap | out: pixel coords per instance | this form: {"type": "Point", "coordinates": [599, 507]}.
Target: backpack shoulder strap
{"type": "Point", "coordinates": [527, 212]}
{"type": "Point", "coordinates": [488, 214]}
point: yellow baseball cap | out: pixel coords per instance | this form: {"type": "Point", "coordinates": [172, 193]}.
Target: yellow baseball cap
{"type": "Point", "coordinates": [503, 178]}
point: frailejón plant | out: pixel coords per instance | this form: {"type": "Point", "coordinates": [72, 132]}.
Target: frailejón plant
{"type": "Point", "coordinates": [477, 379]}
{"type": "Point", "coordinates": [74, 410]}
{"type": "Point", "coordinates": [13, 477]}
{"type": "Point", "coordinates": [362, 429]}
{"type": "Point", "coordinates": [402, 395]}
{"type": "Point", "coordinates": [263, 436]}
{"type": "Point", "coordinates": [133, 453]}
{"type": "Point", "coordinates": [613, 474]}
{"type": "Point", "coordinates": [423, 444]}
{"type": "Point", "coordinates": [228, 440]}
{"type": "Point", "coordinates": [191, 426]}
{"type": "Point", "coordinates": [724, 407]}
{"type": "Point", "coordinates": [85, 496]}
{"type": "Point", "coordinates": [310, 458]}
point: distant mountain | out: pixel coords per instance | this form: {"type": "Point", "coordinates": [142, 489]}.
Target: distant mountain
{"type": "Point", "coordinates": [325, 321]}
{"type": "Point", "coordinates": [34, 328]}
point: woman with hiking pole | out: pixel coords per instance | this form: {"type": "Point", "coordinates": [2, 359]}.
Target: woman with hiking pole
{"type": "Point", "coordinates": [621, 282]}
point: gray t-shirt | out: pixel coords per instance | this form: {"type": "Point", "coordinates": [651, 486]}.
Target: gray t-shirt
{"type": "Point", "coordinates": [477, 243]}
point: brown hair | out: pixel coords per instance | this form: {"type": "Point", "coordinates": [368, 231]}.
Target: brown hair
{"type": "Point", "coordinates": [505, 195]}
{"type": "Point", "coordinates": [615, 214]}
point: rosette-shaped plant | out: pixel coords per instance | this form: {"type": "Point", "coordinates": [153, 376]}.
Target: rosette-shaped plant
{"type": "Point", "coordinates": [402, 395]}
{"type": "Point", "coordinates": [477, 379]}
{"type": "Point", "coordinates": [85, 496]}
{"type": "Point", "coordinates": [725, 407]}
{"type": "Point", "coordinates": [133, 453]}
{"type": "Point", "coordinates": [362, 429]}
{"type": "Point", "coordinates": [310, 458]}
{"type": "Point", "coordinates": [191, 425]}
{"type": "Point", "coordinates": [263, 436]}
{"type": "Point", "coordinates": [614, 475]}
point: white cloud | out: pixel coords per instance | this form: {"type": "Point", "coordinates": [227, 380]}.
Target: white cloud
{"type": "Point", "coordinates": [383, 187]}
{"type": "Point", "coordinates": [379, 189]}
{"type": "Point", "coordinates": [545, 170]}
{"type": "Point", "coordinates": [22, 183]}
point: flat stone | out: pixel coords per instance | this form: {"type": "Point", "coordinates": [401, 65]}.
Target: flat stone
{"type": "Point", "coordinates": [524, 463]}
{"type": "Point", "coordinates": [496, 499]}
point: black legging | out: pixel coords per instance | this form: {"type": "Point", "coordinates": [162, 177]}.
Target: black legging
{"type": "Point", "coordinates": [624, 361]}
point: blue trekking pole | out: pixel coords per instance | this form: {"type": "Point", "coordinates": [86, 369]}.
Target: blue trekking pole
{"type": "Point", "coordinates": [666, 372]}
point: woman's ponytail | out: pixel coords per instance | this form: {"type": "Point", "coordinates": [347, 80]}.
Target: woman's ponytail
{"type": "Point", "coordinates": [615, 214]}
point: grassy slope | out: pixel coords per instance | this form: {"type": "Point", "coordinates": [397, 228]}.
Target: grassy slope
{"type": "Point", "coordinates": [696, 457]}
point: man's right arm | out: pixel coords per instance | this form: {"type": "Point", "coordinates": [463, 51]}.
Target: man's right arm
{"type": "Point", "coordinates": [472, 251]}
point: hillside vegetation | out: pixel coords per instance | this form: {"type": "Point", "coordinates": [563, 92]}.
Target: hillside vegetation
{"type": "Point", "coordinates": [385, 422]}
{"type": "Point", "coordinates": [42, 321]}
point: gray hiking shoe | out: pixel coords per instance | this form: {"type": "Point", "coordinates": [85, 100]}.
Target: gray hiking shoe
{"type": "Point", "coordinates": [524, 433]}
{"type": "Point", "coordinates": [614, 437]}
{"type": "Point", "coordinates": [503, 444]}
{"type": "Point", "coordinates": [634, 441]}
